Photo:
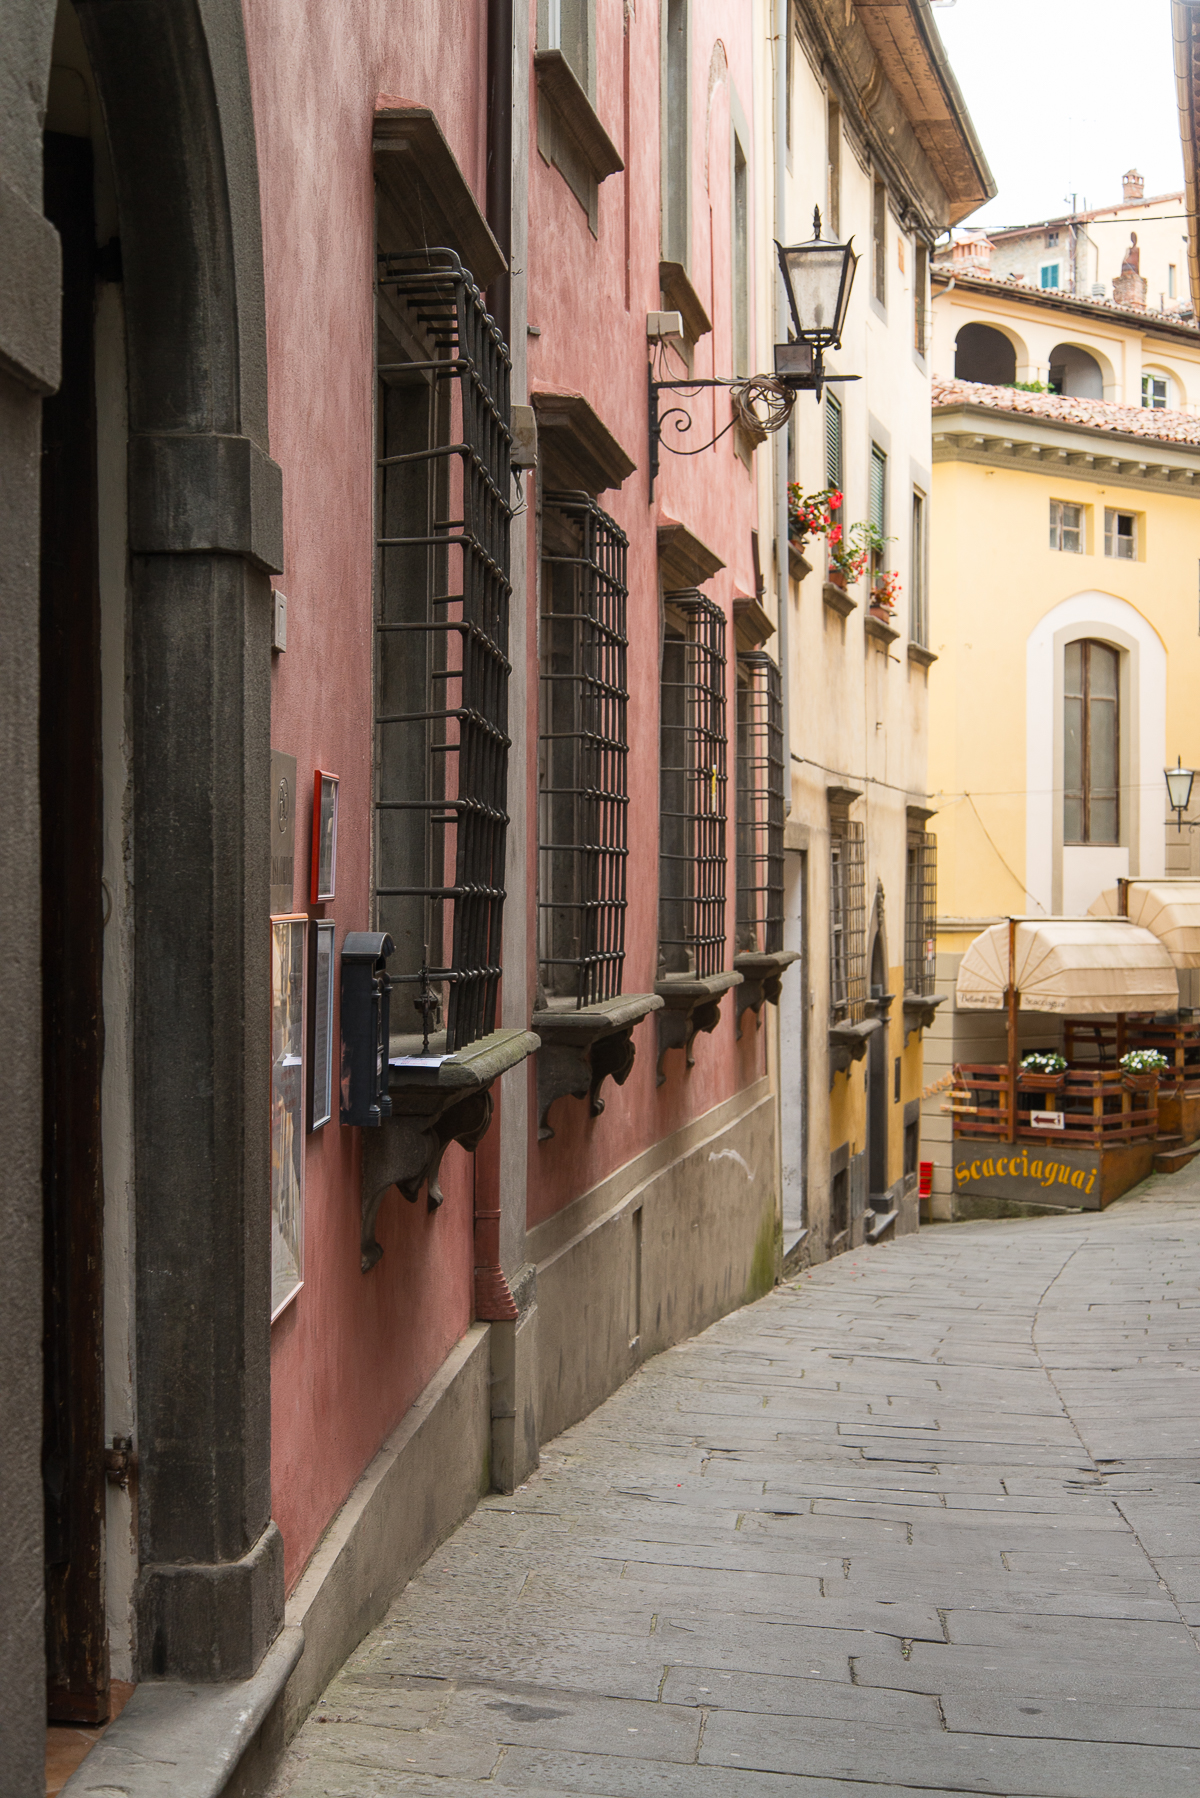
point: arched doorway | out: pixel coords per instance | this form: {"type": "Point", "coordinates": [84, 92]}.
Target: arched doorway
{"type": "Point", "coordinates": [163, 90]}
{"type": "Point", "coordinates": [877, 1067]}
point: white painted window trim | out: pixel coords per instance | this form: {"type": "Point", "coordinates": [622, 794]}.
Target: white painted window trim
{"type": "Point", "coordinates": [1143, 738]}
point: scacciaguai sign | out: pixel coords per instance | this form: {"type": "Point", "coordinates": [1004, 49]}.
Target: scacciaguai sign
{"type": "Point", "coordinates": [1026, 1172]}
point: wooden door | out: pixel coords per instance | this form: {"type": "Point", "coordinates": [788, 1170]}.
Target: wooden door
{"type": "Point", "coordinates": [72, 938]}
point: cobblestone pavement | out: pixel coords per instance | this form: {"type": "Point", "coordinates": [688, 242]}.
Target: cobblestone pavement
{"type": "Point", "coordinates": [923, 1521]}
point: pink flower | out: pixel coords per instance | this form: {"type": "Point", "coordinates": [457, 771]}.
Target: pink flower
{"type": "Point", "coordinates": [835, 534]}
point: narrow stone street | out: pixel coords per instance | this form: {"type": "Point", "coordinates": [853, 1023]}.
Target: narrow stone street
{"type": "Point", "coordinates": [924, 1520]}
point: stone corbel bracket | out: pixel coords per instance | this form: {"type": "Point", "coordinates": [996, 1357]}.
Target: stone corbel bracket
{"type": "Point", "coordinates": [920, 1011]}
{"type": "Point", "coordinates": [584, 1048]}
{"type": "Point", "coordinates": [848, 1044]}
{"type": "Point", "coordinates": [431, 1108]}
{"type": "Point", "coordinates": [691, 1003]}
{"type": "Point", "coordinates": [761, 974]}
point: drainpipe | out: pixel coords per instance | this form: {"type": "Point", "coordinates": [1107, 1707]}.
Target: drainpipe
{"type": "Point", "coordinates": [499, 151]}
{"type": "Point", "coordinates": [782, 315]}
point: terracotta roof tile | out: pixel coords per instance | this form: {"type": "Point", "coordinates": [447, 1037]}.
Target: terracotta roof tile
{"type": "Point", "coordinates": [1100, 415]}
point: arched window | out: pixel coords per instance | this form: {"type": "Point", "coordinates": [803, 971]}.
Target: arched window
{"type": "Point", "coordinates": [1091, 743]}
{"type": "Point", "coordinates": [1075, 373]}
{"type": "Point", "coordinates": [984, 354]}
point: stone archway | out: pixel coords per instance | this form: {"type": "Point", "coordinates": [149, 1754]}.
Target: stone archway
{"type": "Point", "coordinates": [205, 531]}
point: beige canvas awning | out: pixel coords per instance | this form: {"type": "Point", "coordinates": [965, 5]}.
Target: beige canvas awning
{"type": "Point", "coordinates": [1169, 908]}
{"type": "Point", "coordinates": [1070, 965]}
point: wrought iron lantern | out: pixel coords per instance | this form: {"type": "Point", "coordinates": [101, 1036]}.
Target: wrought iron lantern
{"type": "Point", "coordinates": [1179, 790]}
{"type": "Point", "coordinates": [818, 277]}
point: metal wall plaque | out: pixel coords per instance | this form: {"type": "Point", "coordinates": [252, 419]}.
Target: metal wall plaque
{"type": "Point", "coordinates": [283, 831]}
{"type": "Point", "coordinates": [320, 1108]}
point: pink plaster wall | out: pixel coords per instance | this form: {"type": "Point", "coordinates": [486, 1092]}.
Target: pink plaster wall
{"type": "Point", "coordinates": [351, 1352]}
{"type": "Point", "coordinates": [599, 349]}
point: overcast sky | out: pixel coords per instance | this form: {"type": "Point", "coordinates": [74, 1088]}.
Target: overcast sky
{"type": "Point", "coordinates": [1066, 95]}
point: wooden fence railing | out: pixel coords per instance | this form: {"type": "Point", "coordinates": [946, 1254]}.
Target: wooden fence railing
{"type": "Point", "coordinates": [1100, 1108]}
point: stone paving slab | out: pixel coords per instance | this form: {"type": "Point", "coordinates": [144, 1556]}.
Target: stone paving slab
{"type": "Point", "coordinates": [925, 1520]}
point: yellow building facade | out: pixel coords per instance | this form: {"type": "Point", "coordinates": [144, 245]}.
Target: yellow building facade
{"type": "Point", "coordinates": [1065, 614]}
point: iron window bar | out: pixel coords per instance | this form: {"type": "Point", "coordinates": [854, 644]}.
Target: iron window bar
{"type": "Point", "coordinates": [441, 643]}
{"type": "Point", "coordinates": [759, 804]}
{"type": "Point", "coordinates": [584, 739]}
{"type": "Point", "coordinates": [920, 916]}
{"type": "Point", "coordinates": [692, 798]}
{"type": "Point", "coordinates": [848, 923]}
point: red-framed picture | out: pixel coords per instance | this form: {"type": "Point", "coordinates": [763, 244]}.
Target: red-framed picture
{"type": "Point", "coordinates": [324, 839]}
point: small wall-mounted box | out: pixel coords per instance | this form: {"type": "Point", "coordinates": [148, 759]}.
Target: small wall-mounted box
{"type": "Point", "coordinates": [524, 437]}
{"type": "Point", "coordinates": [278, 620]}
{"type": "Point", "coordinates": [663, 324]}
{"type": "Point", "coordinates": [366, 1023]}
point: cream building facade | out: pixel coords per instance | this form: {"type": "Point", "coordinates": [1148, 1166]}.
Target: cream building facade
{"type": "Point", "coordinates": [1065, 619]}
{"type": "Point", "coordinates": [869, 127]}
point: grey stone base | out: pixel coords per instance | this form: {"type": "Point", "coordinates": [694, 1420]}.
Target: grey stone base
{"type": "Point", "coordinates": [231, 1610]}
{"type": "Point", "coordinates": [190, 1740]}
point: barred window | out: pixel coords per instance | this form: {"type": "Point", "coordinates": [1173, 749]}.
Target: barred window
{"type": "Point", "coordinates": [759, 804]}
{"type": "Point", "coordinates": [584, 752]}
{"type": "Point", "coordinates": [920, 915]}
{"type": "Point", "coordinates": [848, 922]}
{"type": "Point", "coordinates": [441, 637]}
{"type": "Point", "coordinates": [692, 817]}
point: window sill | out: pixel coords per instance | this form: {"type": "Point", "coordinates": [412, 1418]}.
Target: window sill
{"type": "Point", "coordinates": [848, 1044]}
{"type": "Point", "coordinates": [557, 81]}
{"type": "Point", "coordinates": [923, 657]}
{"type": "Point", "coordinates": [682, 297]}
{"type": "Point", "coordinates": [761, 972]}
{"type": "Point", "coordinates": [691, 1003]}
{"type": "Point", "coordinates": [431, 1108]}
{"type": "Point", "coordinates": [838, 600]}
{"type": "Point", "coordinates": [919, 1012]}
{"type": "Point", "coordinates": [798, 567]}
{"type": "Point", "coordinates": [883, 634]}
{"type": "Point", "coordinates": [584, 1047]}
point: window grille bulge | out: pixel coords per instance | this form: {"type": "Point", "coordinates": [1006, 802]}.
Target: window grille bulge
{"type": "Point", "coordinates": [759, 804]}
{"type": "Point", "coordinates": [920, 916]}
{"type": "Point", "coordinates": [441, 637]}
{"type": "Point", "coordinates": [692, 797]}
{"type": "Point", "coordinates": [848, 922]}
{"type": "Point", "coordinates": [584, 742]}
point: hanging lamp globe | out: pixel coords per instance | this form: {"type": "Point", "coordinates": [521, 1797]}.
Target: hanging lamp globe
{"type": "Point", "coordinates": [818, 277]}
{"type": "Point", "coordinates": [1179, 789]}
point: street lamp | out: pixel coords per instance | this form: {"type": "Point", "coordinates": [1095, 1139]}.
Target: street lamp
{"type": "Point", "coordinates": [1179, 790]}
{"type": "Point", "coordinates": [818, 276]}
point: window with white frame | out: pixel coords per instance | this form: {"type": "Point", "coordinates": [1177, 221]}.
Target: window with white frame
{"type": "Point", "coordinates": [1067, 527]}
{"type": "Point", "coordinates": [1156, 390]}
{"type": "Point", "coordinates": [918, 589]}
{"type": "Point", "coordinates": [1121, 535]}
{"type": "Point", "coordinates": [1091, 742]}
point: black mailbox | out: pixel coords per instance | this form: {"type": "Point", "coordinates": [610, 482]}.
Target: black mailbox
{"type": "Point", "coordinates": [366, 1018]}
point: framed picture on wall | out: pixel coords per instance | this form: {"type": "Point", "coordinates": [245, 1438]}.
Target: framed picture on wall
{"type": "Point", "coordinates": [320, 1104]}
{"type": "Point", "coordinates": [324, 843]}
{"type": "Point", "coordinates": [289, 944]}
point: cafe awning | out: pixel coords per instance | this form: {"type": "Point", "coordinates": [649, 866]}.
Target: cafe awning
{"type": "Point", "coordinates": [1075, 965]}
{"type": "Point", "coordinates": [1169, 908]}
